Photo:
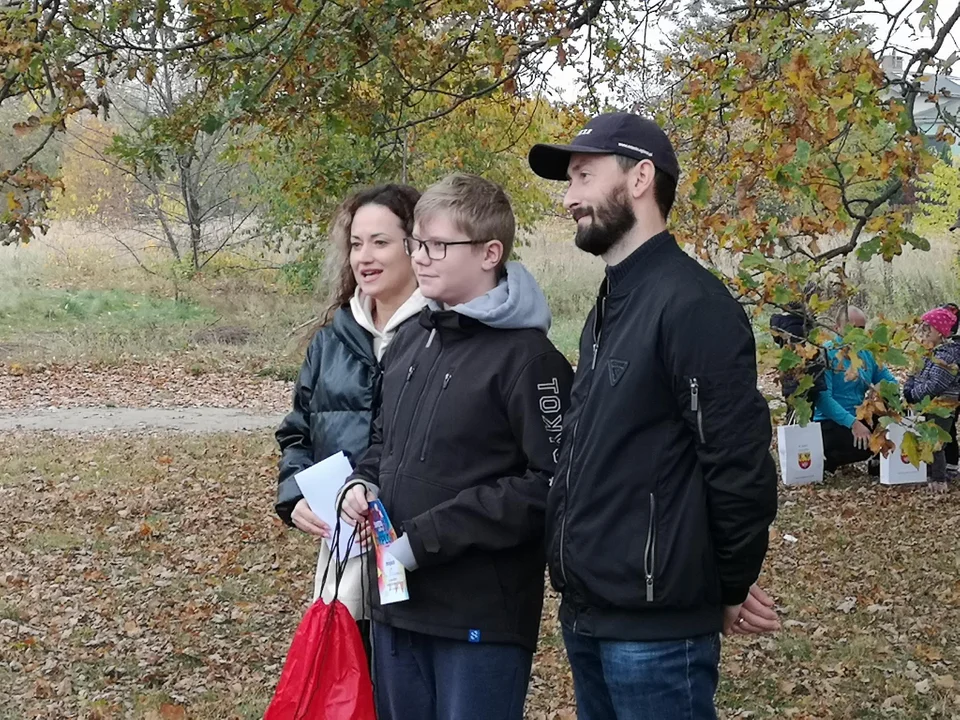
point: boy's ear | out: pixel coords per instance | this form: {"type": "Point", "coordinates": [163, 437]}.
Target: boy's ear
{"type": "Point", "coordinates": [492, 254]}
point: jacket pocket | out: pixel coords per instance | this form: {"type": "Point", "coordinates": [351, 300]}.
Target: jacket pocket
{"type": "Point", "coordinates": [723, 408]}
{"type": "Point", "coordinates": [432, 417]}
{"type": "Point", "coordinates": [650, 550]}
{"type": "Point", "coordinates": [696, 407]}
{"type": "Point", "coordinates": [396, 410]}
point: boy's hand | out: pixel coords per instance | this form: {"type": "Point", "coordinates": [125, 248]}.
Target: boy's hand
{"type": "Point", "coordinates": [356, 504]}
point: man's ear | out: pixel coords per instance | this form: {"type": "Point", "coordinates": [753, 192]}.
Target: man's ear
{"type": "Point", "coordinates": [492, 254]}
{"type": "Point", "coordinates": [640, 178]}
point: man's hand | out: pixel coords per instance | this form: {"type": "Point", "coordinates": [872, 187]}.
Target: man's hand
{"type": "Point", "coordinates": [731, 616]}
{"type": "Point", "coordinates": [756, 615]}
{"type": "Point", "coordinates": [355, 506]}
{"type": "Point", "coordinates": [861, 436]}
{"type": "Point", "coordinates": [305, 519]}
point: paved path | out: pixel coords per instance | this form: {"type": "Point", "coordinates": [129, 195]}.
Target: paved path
{"type": "Point", "coordinates": [100, 419]}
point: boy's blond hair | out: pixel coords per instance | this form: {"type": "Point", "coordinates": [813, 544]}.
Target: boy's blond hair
{"type": "Point", "coordinates": [480, 209]}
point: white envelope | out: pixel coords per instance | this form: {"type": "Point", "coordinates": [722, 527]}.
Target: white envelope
{"type": "Point", "coordinates": [320, 485]}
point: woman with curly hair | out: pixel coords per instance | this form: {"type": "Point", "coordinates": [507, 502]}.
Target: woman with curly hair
{"type": "Point", "coordinates": [338, 389]}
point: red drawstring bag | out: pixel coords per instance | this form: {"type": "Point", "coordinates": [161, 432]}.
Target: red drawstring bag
{"type": "Point", "coordinates": [325, 676]}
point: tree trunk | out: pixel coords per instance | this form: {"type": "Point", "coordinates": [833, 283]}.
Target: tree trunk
{"type": "Point", "coordinates": [189, 188]}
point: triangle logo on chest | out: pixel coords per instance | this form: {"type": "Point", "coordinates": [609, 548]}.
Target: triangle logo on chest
{"type": "Point", "coordinates": [617, 369]}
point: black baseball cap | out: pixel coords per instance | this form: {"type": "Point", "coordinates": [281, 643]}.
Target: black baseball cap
{"type": "Point", "coordinates": [609, 134]}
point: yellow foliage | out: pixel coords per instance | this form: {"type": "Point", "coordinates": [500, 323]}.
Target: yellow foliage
{"type": "Point", "coordinates": [91, 187]}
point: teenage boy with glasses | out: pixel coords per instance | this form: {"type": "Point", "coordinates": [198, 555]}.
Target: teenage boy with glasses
{"type": "Point", "coordinates": [462, 458]}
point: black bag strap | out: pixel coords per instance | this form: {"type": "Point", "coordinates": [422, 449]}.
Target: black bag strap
{"type": "Point", "coordinates": [339, 564]}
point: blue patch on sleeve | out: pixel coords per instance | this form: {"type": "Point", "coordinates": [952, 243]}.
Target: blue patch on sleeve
{"type": "Point", "coordinates": [474, 636]}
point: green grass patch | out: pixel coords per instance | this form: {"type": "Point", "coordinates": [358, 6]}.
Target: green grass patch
{"type": "Point", "coordinates": [46, 540]}
{"type": "Point", "coordinates": [286, 372]}
{"type": "Point", "coordinates": [52, 309]}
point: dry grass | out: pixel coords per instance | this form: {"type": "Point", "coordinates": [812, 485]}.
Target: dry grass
{"type": "Point", "coordinates": [46, 288]}
{"type": "Point", "coordinates": [570, 280]}
{"type": "Point", "coordinates": [914, 282]}
{"type": "Point", "coordinates": [149, 316]}
{"type": "Point", "coordinates": [143, 571]}
{"type": "Point", "coordinates": [134, 315]}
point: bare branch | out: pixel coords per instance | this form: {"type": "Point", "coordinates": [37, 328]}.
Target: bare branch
{"type": "Point", "coordinates": [871, 208]}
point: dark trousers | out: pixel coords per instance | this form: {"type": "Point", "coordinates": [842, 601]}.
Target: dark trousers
{"type": "Point", "coordinates": [623, 680]}
{"type": "Point", "coordinates": [838, 447]}
{"type": "Point", "coordinates": [422, 677]}
{"type": "Point", "coordinates": [938, 470]}
{"type": "Point", "coordinates": [952, 450]}
{"type": "Point", "coordinates": [364, 626]}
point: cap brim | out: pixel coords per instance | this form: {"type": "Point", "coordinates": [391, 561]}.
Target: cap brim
{"type": "Point", "coordinates": [551, 161]}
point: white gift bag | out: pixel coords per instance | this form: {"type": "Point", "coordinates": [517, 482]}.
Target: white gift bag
{"type": "Point", "coordinates": [801, 453]}
{"type": "Point", "coordinates": [895, 469]}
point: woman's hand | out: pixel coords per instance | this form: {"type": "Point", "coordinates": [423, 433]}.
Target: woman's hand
{"type": "Point", "coordinates": [304, 518]}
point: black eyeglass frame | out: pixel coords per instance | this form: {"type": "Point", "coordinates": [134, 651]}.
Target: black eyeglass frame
{"type": "Point", "coordinates": [408, 245]}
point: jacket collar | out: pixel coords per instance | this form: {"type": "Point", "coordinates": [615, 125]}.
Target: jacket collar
{"type": "Point", "coordinates": [626, 275]}
{"type": "Point", "coordinates": [357, 340]}
{"type": "Point", "coordinates": [448, 320]}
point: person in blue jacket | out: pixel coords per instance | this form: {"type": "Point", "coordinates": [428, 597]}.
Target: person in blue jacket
{"type": "Point", "coordinates": [846, 440]}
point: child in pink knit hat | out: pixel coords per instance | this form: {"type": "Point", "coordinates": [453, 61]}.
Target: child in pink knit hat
{"type": "Point", "coordinates": [938, 378]}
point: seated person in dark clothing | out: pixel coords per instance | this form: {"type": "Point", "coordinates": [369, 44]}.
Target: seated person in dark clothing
{"type": "Point", "coordinates": [791, 329]}
{"type": "Point", "coordinates": [792, 326]}
{"type": "Point", "coordinates": [846, 440]}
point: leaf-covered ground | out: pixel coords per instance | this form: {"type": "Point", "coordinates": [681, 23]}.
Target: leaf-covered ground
{"type": "Point", "coordinates": [162, 383]}
{"type": "Point", "coordinates": [146, 577]}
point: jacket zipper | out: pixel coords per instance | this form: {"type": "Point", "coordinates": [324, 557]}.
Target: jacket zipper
{"type": "Point", "coordinates": [696, 407]}
{"type": "Point", "coordinates": [650, 552]}
{"type": "Point", "coordinates": [433, 415]}
{"type": "Point", "coordinates": [566, 487]}
{"type": "Point", "coordinates": [396, 410]}
{"type": "Point", "coordinates": [597, 332]}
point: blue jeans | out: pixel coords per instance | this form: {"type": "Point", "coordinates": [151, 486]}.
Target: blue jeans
{"type": "Point", "coordinates": [667, 680]}
{"type": "Point", "coordinates": [421, 677]}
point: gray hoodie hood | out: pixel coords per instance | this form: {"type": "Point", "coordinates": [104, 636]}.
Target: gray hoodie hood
{"type": "Point", "coordinates": [517, 302]}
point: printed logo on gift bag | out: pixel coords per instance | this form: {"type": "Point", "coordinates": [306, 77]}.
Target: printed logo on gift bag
{"type": "Point", "coordinates": [800, 449]}
{"type": "Point", "coordinates": [896, 468]}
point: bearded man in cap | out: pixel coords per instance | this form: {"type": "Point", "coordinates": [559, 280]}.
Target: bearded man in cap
{"type": "Point", "coordinates": [665, 489]}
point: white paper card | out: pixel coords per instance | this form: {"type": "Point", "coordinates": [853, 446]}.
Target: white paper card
{"type": "Point", "coordinates": [895, 469]}
{"type": "Point", "coordinates": [801, 453]}
{"type": "Point", "coordinates": [320, 485]}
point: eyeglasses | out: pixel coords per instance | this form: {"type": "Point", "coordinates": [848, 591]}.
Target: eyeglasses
{"type": "Point", "coordinates": [435, 249]}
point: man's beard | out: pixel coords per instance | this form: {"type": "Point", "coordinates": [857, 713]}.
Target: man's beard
{"type": "Point", "coordinates": [611, 222]}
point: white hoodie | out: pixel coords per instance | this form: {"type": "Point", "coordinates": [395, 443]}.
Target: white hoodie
{"type": "Point", "coordinates": [362, 308]}
{"type": "Point", "coordinates": [350, 590]}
